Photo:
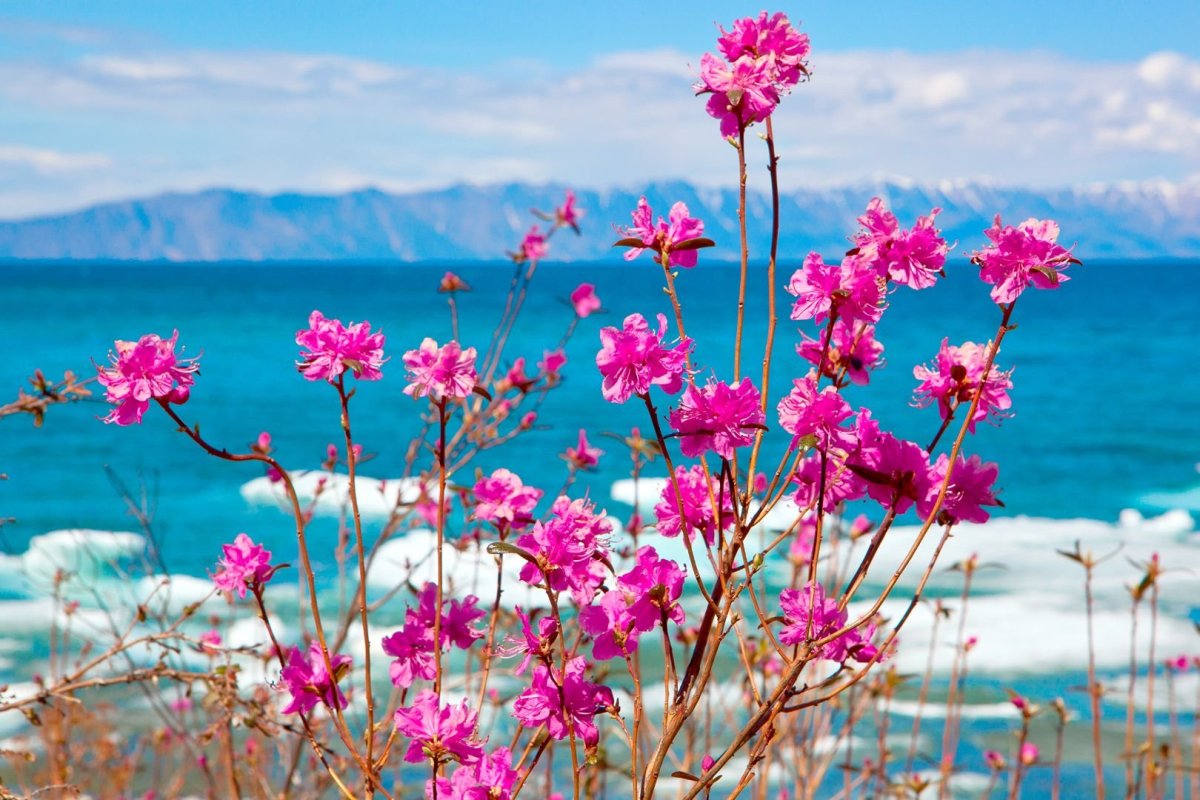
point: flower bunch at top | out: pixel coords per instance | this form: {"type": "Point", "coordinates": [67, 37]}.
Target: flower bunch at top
{"type": "Point", "coordinates": [679, 236]}
{"type": "Point", "coordinates": [912, 258]}
{"type": "Point", "coordinates": [143, 370]}
{"type": "Point", "coordinates": [764, 57]}
{"type": "Point", "coordinates": [956, 375]}
{"type": "Point", "coordinates": [329, 348]}
{"type": "Point", "coordinates": [1020, 256]}
{"type": "Point", "coordinates": [717, 417]}
{"type": "Point", "coordinates": [440, 372]}
{"type": "Point", "coordinates": [503, 499]}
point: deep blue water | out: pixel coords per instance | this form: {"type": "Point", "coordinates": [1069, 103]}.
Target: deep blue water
{"type": "Point", "coordinates": [1106, 395]}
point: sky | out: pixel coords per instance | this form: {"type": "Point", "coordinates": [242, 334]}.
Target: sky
{"type": "Point", "coordinates": [108, 101]}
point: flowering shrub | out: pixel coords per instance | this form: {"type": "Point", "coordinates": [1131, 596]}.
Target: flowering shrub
{"type": "Point", "coordinates": [755, 472]}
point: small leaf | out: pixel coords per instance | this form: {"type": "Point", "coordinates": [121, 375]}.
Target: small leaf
{"type": "Point", "coordinates": [502, 548]}
{"type": "Point", "coordinates": [629, 241]}
{"type": "Point", "coordinates": [687, 776]}
{"type": "Point", "coordinates": [692, 244]}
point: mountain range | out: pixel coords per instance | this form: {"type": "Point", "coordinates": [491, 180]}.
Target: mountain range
{"type": "Point", "coordinates": [466, 222]}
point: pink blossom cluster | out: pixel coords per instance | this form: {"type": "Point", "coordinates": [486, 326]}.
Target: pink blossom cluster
{"type": "Point", "coordinates": [644, 598]}
{"type": "Point", "coordinates": [307, 679]}
{"type": "Point", "coordinates": [810, 616]}
{"type": "Point", "coordinates": [144, 370]}
{"type": "Point", "coordinates": [441, 372]}
{"type": "Point", "coordinates": [583, 455]}
{"type": "Point", "coordinates": [634, 358]}
{"type": "Point", "coordinates": [504, 500]}
{"type": "Point", "coordinates": [912, 258]}
{"type": "Point", "coordinates": [533, 645]}
{"type": "Point", "coordinates": [564, 701]}
{"type": "Point", "coordinates": [1019, 256]}
{"type": "Point", "coordinates": [850, 349]}
{"type": "Point", "coordinates": [329, 348]}
{"type": "Point", "coordinates": [533, 246]}
{"type": "Point", "coordinates": [956, 375]}
{"type": "Point", "coordinates": [492, 777]}
{"type": "Point", "coordinates": [412, 647]}
{"type": "Point", "coordinates": [243, 565]}
{"type": "Point", "coordinates": [674, 236]}
{"type": "Point", "coordinates": [568, 549]}
{"type": "Point", "coordinates": [697, 495]}
{"type": "Point", "coordinates": [717, 417]}
{"type": "Point", "coordinates": [763, 58]}
{"type": "Point", "coordinates": [439, 732]}
{"type": "Point", "coordinates": [584, 300]}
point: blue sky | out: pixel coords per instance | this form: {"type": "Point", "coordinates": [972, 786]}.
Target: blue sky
{"type": "Point", "coordinates": [102, 101]}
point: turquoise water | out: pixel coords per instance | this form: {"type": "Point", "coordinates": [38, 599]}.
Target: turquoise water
{"type": "Point", "coordinates": [1106, 399]}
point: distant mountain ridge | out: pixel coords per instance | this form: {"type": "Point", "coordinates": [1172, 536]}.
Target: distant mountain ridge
{"type": "Point", "coordinates": [1137, 220]}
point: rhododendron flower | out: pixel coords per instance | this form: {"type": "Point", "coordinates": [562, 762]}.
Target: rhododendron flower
{"type": "Point", "coordinates": [766, 58]}
{"type": "Point", "coordinates": [810, 616]}
{"type": "Point", "coordinates": [411, 648]}
{"type": "Point", "coordinates": [955, 376]}
{"type": "Point", "coordinates": [452, 283]}
{"type": "Point", "coordinates": [805, 412]}
{"type": "Point", "coordinates": [567, 549]}
{"type": "Point", "coordinates": [308, 681]}
{"type": "Point", "coordinates": [653, 587]}
{"type": "Point", "coordinates": [633, 359]}
{"type": "Point", "coordinates": [329, 348]}
{"type": "Point", "coordinates": [718, 417]}
{"type": "Point", "coordinates": [583, 455]}
{"type": "Point", "coordinates": [897, 473]}
{"type": "Point", "coordinates": [840, 482]}
{"type": "Point", "coordinates": [210, 640]}
{"type": "Point", "coordinates": [243, 564]}
{"type": "Point", "coordinates": [579, 700]}
{"type": "Point", "coordinates": [533, 246]}
{"type": "Point", "coordinates": [994, 760]}
{"type": "Point", "coordinates": [851, 289]}
{"type": "Point", "coordinates": [440, 372]}
{"type": "Point", "coordinates": [1029, 754]}
{"type": "Point", "coordinates": [801, 547]}
{"type": "Point", "coordinates": [697, 505]}
{"type": "Point", "coordinates": [913, 258]}
{"type": "Point", "coordinates": [666, 235]}
{"type": "Point", "coordinates": [1017, 257]}
{"type": "Point", "coordinates": [584, 300]}
{"type": "Point", "coordinates": [490, 778]}
{"type": "Point", "coordinates": [534, 645]}
{"type": "Point", "coordinates": [970, 490]}
{"type": "Point", "coordinates": [853, 349]}
{"type": "Point", "coordinates": [457, 616]}
{"type": "Point", "coordinates": [567, 214]}
{"type": "Point", "coordinates": [439, 732]}
{"type": "Point", "coordinates": [611, 626]}
{"type": "Point", "coordinates": [143, 370]}
{"type": "Point", "coordinates": [503, 499]}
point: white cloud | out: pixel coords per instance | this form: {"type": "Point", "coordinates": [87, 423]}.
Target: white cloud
{"type": "Point", "coordinates": [272, 121]}
{"type": "Point", "coordinates": [51, 162]}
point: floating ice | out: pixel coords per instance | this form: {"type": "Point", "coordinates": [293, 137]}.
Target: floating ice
{"type": "Point", "coordinates": [377, 497]}
{"type": "Point", "coordinates": [85, 555]}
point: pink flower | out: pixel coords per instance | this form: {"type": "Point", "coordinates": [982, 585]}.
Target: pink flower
{"type": "Point", "coordinates": [551, 364]}
{"type": "Point", "coordinates": [851, 290]}
{"type": "Point", "coordinates": [411, 647]}
{"type": "Point", "coordinates": [328, 348]}
{"type": "Point", "coordinates": [653, 587]}
{"type": "Point", "coordinates": [634, 359]}
{"type": "Point", "coordinates": [568, 549]}
{"type": "Point", "coordinates": [914, 258]}
{"type": "Point", "coordinates": [853, 349]}
{"type": "Point", "coordinates": [558, 700]}
{"type": "Point", "coordinates": [810, 616]}
{"type": "Point", "coordinates": [1017, 257]}
{"type": "Point", "coordinates": [451, 283]}
{"type": "Point", "coordinates": [955, 376]}
{"type": "Point", "coordinates": [897, 473]}
{"type": "Point", "coordinates": [539, 645]}
{"type": "Point", "coordinates": [567, 214]}
{"type": "Point", "coordinates": [143, 370]}
{"type": "Point", "coordinates": [210, 640]}
{"type": "Point", "coordinates": [717, 417]}
{"type": "Point", "coordinates": [772, 39]}
{"type": "Point", "coordinates": [970, 490]}
{"type": "Point", "coordinates": [244, 564]}
{"type": "Point", "coordinates": [490, 778]}
{"type": "Point", "coordinates": [309, 682]}
{"type": "Point", "coordinates": [583, 455]}
{"type": "Point", "coordinates": [533, 246]}
{"type": "Point", "coordinates": [504, 500]}
{"type": "Point", "coordinates": [611, 626]}
{"type": "Point", "coordinates": [994, 760]}
{"type": "Point", "coordinates": [840, 482]}
{"type": "Point", "coordinates": [439, 732]}
{"type": "Point", "coordinates": [800, 550]}
{"type": "Point", "coordinates": [1029, 754]}
{"type": "Point", "coordinates": [457, 616]}
{"type": "Point", "coordinates": [805, 412]}
{"type": "Point", "coordinates": [697, 505]}
{"type": "Point", "coordinates": [666, 235]}
{"type": "Point", "coordinates": [584, 300]}
{"type": "Point", "coordinates": [440, 372]}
